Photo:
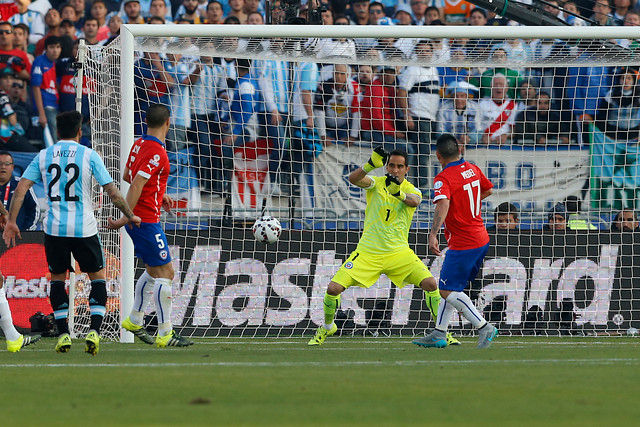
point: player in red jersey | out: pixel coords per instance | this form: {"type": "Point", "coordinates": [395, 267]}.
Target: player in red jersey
{"type": "Point", "coordinates": [459, 190]}
{"type": "Point", "coordinates": [147, 171]}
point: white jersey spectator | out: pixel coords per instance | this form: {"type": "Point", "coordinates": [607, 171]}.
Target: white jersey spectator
{"type": "Point", "coordinates": [33, 20]}
{"type": "Point", "coordinates": [41, 6]}
{"type": "Point", "coordinates": [496, 115]}
{"type": "Point", "coordinates": [423, 87]}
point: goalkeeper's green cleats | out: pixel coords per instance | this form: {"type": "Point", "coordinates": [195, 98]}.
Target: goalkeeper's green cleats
{"type": "Point", "coordinates": [22, 341]}
{"type": "Point", "coordinates": [138, 331]}
{"type": "Point", "coordinates": [322, 334]}
{"type": "Point", "coordinates": [451, 340]}
{"type": "Point", "coordinates": [92, 343]}
{"type": "Point", "coordinates": [172, 340]}
{"type": "Point", "coordinates": [64, 344]}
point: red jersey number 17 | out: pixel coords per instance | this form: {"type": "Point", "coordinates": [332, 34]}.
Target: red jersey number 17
{"type": "Point", "coordinates": [474, 199]}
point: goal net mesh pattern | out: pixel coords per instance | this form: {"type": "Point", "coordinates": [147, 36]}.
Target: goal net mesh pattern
{"type": "Point", "coordinates": [274, 126]}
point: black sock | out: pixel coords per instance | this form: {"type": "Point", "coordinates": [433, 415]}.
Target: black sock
{"type": "Point", "coordinates": [60, 304]}
{"type": "Point", "coordinates": [97, 303]}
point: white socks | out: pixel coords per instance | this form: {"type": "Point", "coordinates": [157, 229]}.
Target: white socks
{"type": "Point", "coordinates": [445, 311]}
{"type": "Point", "coordinates": [6, 322]}
{"type": "Point", "coordinates": [160, 290]}
{"type": "Point", "coordinates": [162, 298]}
{"type": "Point", "coordinates": [143, 294]}
{"type": "Point", "coordinates": [463, 304]}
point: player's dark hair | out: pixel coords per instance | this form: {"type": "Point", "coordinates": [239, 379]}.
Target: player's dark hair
{"type": "Point", "coordinates": [6, 153]}
{"type": "Point", "coordinates": [157, 115]}
{"type": "Point", "coordinates": [447, 146]}
{"type": "Point", "coordinates": [68, 124]}
{"type": "Point", "coordinates": [398, 152]}
{"type": "Point", "coordinates": [506, 208]}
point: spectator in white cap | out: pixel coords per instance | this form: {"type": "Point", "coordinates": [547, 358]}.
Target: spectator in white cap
{"type": "Point", "coordinates": [457, 114]}
{"type": "Point", "coordinates": [403, 15]}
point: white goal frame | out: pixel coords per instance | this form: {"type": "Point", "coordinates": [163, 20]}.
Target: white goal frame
{"type": "Point", "coordinates": [129, 32]}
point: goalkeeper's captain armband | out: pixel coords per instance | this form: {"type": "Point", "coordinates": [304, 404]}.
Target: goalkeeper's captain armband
{"type": "Point", "coordinates": [377, 160]}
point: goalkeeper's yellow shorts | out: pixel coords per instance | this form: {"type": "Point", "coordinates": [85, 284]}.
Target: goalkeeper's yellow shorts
{"type": "Point", "coordinates": [363, 269]}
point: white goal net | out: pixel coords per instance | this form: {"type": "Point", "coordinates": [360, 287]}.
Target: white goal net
{"type": "Point", "coordinates": [273, 119]}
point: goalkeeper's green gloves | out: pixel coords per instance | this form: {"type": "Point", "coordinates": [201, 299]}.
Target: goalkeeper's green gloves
{"type": "Point", "coordinates": [393, 187]}
{"type": "Point", "coordinates": [377, 160]}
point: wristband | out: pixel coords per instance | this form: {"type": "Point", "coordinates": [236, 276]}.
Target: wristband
{"type": "Point", "coordinates": [368, 167]}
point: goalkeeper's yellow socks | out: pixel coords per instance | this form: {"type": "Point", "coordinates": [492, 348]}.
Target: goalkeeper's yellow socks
{"type": "Point", "coordinates": [433, 300]}
{"type": "Point", "coordinates": [331, 304]}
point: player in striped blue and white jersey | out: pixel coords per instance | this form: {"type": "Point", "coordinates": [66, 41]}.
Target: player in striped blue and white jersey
{"type": "Point", "coordinates": [67, 170]}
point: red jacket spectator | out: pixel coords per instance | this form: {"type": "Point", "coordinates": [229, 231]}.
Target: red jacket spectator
{"type": "Point", "coordinates": [9, 57]}
{"type": "Point", "coordinates": [376, 108]}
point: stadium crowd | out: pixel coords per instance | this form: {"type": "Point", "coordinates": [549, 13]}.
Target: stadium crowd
{"type": "Point", "coordinates": [218, 102]}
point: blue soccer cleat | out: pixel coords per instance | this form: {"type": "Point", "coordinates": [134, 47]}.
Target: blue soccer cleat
{"type": "Point", "coordinates": [435, 338]}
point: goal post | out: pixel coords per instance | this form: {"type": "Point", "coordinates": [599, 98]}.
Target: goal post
{"type": "Point", "coordinates": [533, 281]}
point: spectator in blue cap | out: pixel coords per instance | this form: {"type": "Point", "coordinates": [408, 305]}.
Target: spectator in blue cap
{"type": "Point", "coordinates": [557, 218]}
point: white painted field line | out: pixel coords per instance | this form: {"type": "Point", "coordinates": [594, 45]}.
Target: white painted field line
{"type": "Point", "coordinates": [342, 345]}
{"type": "Point", "coordinates": [608, 361]}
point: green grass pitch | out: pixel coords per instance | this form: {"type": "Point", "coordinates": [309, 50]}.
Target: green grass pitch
{"type": "Point", "coordinates": [519, 381]}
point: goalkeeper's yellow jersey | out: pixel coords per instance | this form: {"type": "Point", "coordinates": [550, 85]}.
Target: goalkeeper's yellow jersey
{"type": "Point", "coordinates": [387, 220]}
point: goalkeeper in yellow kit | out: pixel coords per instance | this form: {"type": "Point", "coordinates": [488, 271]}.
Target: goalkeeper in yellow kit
{"type": "Point", "coordinates": [383, 246]}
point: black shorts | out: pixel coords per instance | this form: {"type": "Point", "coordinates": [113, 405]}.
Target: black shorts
{"type": "Point", "coordinates": [86, 250]}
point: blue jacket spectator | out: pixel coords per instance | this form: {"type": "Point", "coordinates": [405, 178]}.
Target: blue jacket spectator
{"type": "Point", "coordinates": [44, 84]}
{"type": "Point", "coordinates": [244, 106]}
{"type": "Point", "coordinates": [585, 86]}
{"type": "Point", "coordinates": [152, 85]}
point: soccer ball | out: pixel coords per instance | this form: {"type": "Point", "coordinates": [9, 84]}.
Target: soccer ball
{"type": "Point", "coordinates": [267, 229]}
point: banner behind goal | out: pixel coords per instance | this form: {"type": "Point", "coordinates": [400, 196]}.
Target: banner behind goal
{"type": "Point", "coordinates": [273, 119]}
